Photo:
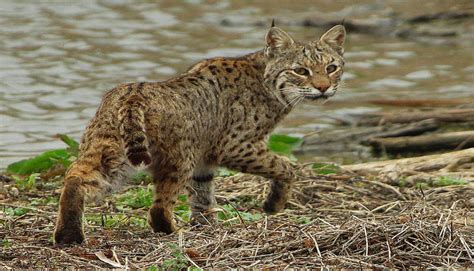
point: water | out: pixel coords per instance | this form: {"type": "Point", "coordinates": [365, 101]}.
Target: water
{"type": "Point", "coordinates": [57, 58]}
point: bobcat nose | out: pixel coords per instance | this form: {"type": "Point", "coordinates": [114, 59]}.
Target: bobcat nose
{"type": "Point", "coordinates": [322, 84]}
{"type": "Point", "coordinates": [322, 88]}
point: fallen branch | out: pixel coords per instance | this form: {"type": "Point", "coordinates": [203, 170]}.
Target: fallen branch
{"type": "Point", "coordinates": [359, 134]}
{"type": "Point", "coordinates": [421, 102]}
{"type": "Point", "coordinates": [460, 140]}
{"type": "Point", "coordinates": [457, 164]}
{"type": "Point", "coordinates": [452, 115]}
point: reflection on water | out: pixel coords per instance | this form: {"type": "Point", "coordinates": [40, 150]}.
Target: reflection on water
{"type": "Point", "coordinates": [58, 58]}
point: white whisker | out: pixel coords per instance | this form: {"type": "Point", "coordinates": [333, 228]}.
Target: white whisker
{"type": "Point", "coordinates": [294, 100]}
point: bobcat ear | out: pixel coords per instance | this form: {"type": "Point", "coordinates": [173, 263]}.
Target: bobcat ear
{"type": "Point", "coordinates": [277, 41]}
{"type": "Point", "coordinates": [335, 37]}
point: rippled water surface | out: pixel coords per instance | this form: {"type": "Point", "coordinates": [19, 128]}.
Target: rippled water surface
{"type": "Point", "coordinates": [59, 57]}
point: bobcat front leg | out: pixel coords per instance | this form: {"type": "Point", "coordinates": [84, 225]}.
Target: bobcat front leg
{"type": "Point", "coordinates": [257, 159]}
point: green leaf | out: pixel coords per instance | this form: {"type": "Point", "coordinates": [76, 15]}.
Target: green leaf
{"type": "Point", "coordinates": [224, 172]}
{"type": "Point", "coordinates": [18, 211]}
{"type": "Point", "coordinates": [323, 168]}
{"type": "Point", "coordinates": [73, 144]}
{"type": "Point", "coordinates": [283, 144]}
{"type": "Point", "coordinates": [39, 163]}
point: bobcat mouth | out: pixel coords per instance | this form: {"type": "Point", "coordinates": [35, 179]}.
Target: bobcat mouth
{"type": "Point", "coordinates": [314, 97]}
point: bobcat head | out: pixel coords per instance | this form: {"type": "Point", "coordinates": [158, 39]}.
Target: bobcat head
{"type": "Point", "coordinates": [297, 70]}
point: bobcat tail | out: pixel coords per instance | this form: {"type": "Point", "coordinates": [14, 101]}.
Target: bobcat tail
{"type": "Point", "coordinates": [132, 130]}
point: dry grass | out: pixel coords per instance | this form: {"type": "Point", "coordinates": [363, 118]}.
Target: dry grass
{"type": "Point", "coordinates": [338, 221]}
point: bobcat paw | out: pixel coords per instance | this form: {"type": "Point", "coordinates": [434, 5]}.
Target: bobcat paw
{"type": "Point", "coordinates": [161, 221]}
{"type": "Point", "coordinates": [68, 236]}
{"type": "Point", "coordinates": [271, 208]}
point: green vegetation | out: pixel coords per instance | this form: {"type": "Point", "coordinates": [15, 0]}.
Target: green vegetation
{"type": "Point", "coordinates": [303, 220]}
{"type": "Point", "coordinates": [141, 177]}
{"type": "Point", "coordinates": [6, 243]}
{"type": "Point", "coordinates": [116, 221]}
{"type": "Point", "coordinates": [50, 200]}
{"type": "Point", "coordinates": [46, 160]}
{"type": "Point", "coordinates": [446, 181]}
{"type": "Point", "coordinates": [230, 215]}
{"type": "Point", "coordinates": [26, 183]}
{"type": "Point", "coordinates": [135, 198]}
{"type": "Point", "coordinates": [142, 197]}
{"type": "Point", "coordinates": [284, 144]}
{"type": "Point", "coordinates": [17, 211]}
{"type": "Point", "coordinates": [421, 185]}
{"type": "Point", "coordinates": [324, 168]}
{"type": "Point", "coordinates": [179, 262]}
{"type": "Point", "coordinates": [182, 209]}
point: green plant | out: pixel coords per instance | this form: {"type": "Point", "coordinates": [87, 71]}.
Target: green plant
{"type": "Point", "coordinates": [231, 215]}
{"type": "Point", "coordinates": [182, 208]}
{"type": "Point", "coordinates": [284, 144]}
{"type": "Point", "coordinates": [224, 172]}
{"type": "Point", "coordinates": [179, 262]}
{"type": "Point", "coordinates": [303, 220]}
{"type": "Point", "coordinates": [16, 211]}
{"type": "Point", "coordinates": [50, 200]}
{"type": "Point", "coordinates": [421, 185]}
{"type": "Point", "coordinates": [142, 197]}
{"type": "Point", "coordinates": [46, 160]}
{"type": "Point", "coordinates": [325, 168]}
{"type": "Point", "coordinates": [6, 243]}
{"type": "Point", "coordinates": [116, 221]}
{"type": "Point", "coordinates": [141, 177]}
{"type": "Point", "coordinates": [26, 183]}
{"type": "Point", "coordinates": [137, 198]}
{"type": "Point", "coordinates": [447, 180]}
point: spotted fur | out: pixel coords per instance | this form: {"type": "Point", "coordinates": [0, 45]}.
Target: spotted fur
{"type": "Point", "coordinates": [218, 113]}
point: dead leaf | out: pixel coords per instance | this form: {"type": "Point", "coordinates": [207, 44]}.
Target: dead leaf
{"type": "Point", "coordinates": [103, 258]}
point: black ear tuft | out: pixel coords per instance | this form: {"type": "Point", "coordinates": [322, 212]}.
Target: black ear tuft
{"type": "Point", "coordinates": [273, 23]}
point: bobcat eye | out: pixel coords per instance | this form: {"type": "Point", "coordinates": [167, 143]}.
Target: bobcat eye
{"type": "Point", "coordinates": [301, 71]}
{"type": "Point", "coordinates": [331, 68]}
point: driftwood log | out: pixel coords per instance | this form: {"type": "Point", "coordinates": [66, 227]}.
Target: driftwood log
{"type": "Point", "coordinates": [423, 143]}
{"type": "Point", "coordinates": [465, 102]}
{"type": "Point", "coordinates": [449, 115]}
{"type": "Point", "coordinates": [362, 134]}
{"type": "Point", "coordinates": [457, 164]}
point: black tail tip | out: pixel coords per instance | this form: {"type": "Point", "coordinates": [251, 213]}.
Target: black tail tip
{"type": "Point", "coordinates": [139, 158]}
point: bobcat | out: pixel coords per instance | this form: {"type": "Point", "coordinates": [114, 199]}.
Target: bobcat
{"type": "Point", "coordinates": [218, 113]}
